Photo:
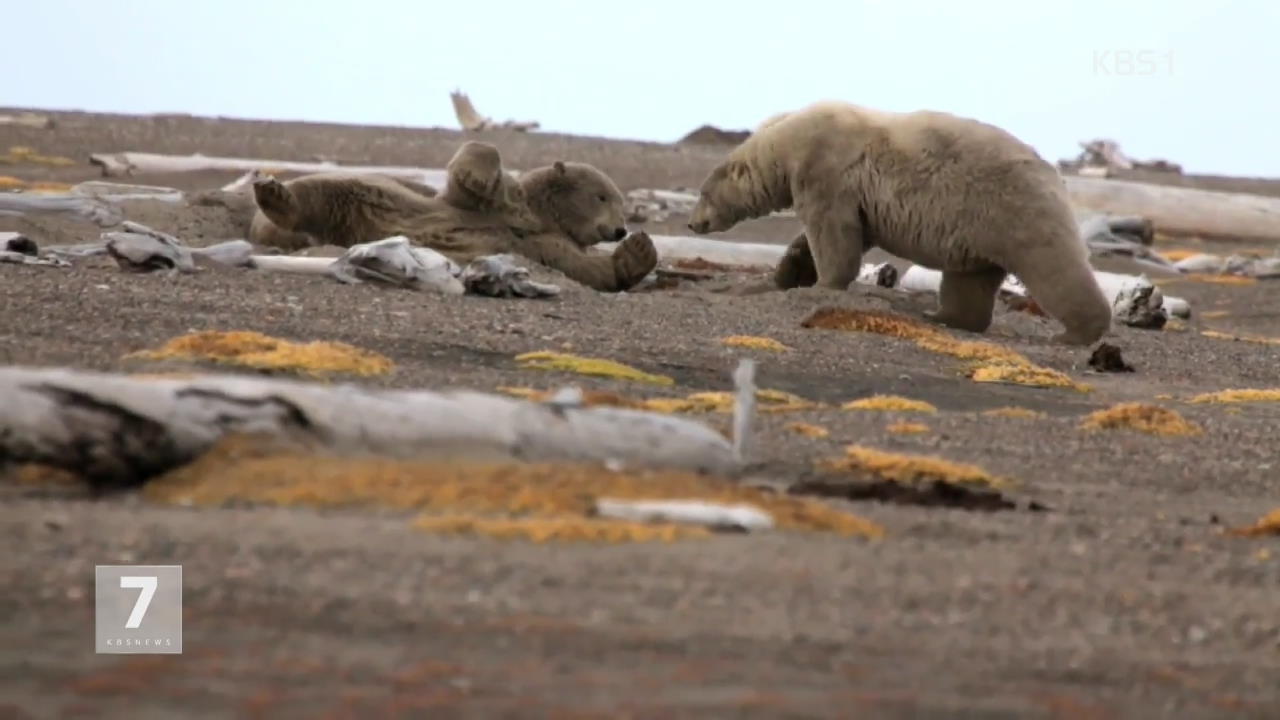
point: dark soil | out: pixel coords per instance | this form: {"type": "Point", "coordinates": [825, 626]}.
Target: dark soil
{"type": "Point", "coordinates": [1107, 590]}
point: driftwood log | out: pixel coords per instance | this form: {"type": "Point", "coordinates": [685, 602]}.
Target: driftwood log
{"type": "Point", "coordinates": [29, 119]}
{"type": "Point", "coordinates": [115, 430]}
{"type": "Point", "coordinates": [98, 212]}
{"type": "Point", "coordinates": [1181, 211]}
{"type": "Point", "coordinates": [472, 121]}
{"type": "Point", "coordinates": [128, 163]}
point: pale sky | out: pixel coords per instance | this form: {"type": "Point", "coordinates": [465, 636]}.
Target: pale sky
{"type": "Point", "coordinates": [1052, 73]}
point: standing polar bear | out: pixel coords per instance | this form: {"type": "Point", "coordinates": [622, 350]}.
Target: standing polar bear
{"type": "Point", "coordinates": [944, 192]}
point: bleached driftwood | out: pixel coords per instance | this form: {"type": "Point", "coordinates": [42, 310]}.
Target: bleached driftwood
{"type": "Point", "coordinates": [1243, 265]}
{"type": "Point", "coordinates": [29, 119]}
{"type": "Point", "coordinates": [915, 279]}
{"type": "Point", "coordinates": [472, 121]}
{"type": "Point", "coordinates": [115, 430]}
{"type": "Point", "coordinates": [128, 163]}
{"type": "Point", "coordinates": [96, 211]}
{"type": "Point", "coordinates": [116, 192]}
{"type": "Point", "coordinates": [740, 517]}
{"type": "Point", "coordinates": [1182, 211]}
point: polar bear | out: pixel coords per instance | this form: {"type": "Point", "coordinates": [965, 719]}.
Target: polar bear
{"type": "Point", "coordinates": [550, 215]}
{"type": "Point", "coordinates": [945, 192]}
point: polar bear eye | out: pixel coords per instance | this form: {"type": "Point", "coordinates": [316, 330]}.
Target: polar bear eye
{"type": "Point", "coordinates": [603, 198]}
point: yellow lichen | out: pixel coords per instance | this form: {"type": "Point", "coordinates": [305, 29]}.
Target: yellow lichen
{"type": "Point", "coordinates": [755, 343]}
{"type": "Point", "coordinates": [262, 352]}
{"type": "Point", "coordinates": [907, 428]}
{"type": "Point", "coordinates": [904, 468]}
{"type": "Point", "coordinates": [999, 364]}
{"type": "Point", "coordinates": [22, 155]}
{"type": "Point", "coordinates": [1014, 412]}
{"type": "Point", "coordinates": [1151, 419]}
{"type": "Point", "coordinates": [600, 367]}
{"type": "Point", "coordinates": [1032, 375]}
{"type": "Point", "coordinates": [559, 529]}
{"type": "Point", "coordinates": [1176, 254]}
{"type": "Point", "coordinates": [1239, 396]}
{"type": "Point", "coordinates": [1210, 314]}
{"type": "Point", "coordinates": [808, 429]}
{"type": "Point", "coordinates": [241, 469]}
{"type": "Point", "coordinates": [895, 403]}
{"type": "Point", "coordinates": [1244, 338]}
{"type": "Point", "coordinates": [1268, 524]}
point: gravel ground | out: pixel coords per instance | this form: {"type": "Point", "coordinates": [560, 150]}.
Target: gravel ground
{"type": "Point", "coordinates": [1122, 599]}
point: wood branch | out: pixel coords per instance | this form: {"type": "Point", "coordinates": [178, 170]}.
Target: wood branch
{"type": "Point", "coordinates": [128, 163]}
{"type": "Point", "coordinates": [96, 211]}
{"type": "Point", "coordinates": [119, 430]}
{"type": "Point", "coordinates": [117, 192]}
{"type": "Point", "coordinates": [472, 121]}
{"type": "Point", "coordinates": [1182, 211]}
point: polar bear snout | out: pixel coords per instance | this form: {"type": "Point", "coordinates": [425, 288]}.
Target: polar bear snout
{"type": "Point", "coordinates": [701, 226]}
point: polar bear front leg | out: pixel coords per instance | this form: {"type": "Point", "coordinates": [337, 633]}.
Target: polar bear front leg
{"type": "Point", "coordinates": [796, 269]}
{"type": "Point", "coordinates": [835, 239]}
{"type": "Point", "coordinates": [967, 300]}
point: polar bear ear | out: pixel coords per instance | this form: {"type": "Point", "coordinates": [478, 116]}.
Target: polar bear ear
{"type": "Point", "coordinates": [560, 168]}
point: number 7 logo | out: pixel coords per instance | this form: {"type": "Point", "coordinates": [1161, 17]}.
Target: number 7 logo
{"type": "Point", "coordinates": [145, 583]}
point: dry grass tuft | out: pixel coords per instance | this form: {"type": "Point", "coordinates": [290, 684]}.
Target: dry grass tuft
{"type": "Point", "coordinates": [22, 155]}
{"type": "Point", "coordinates": [911, 469]}
{"type": "Point", "coordinates": [755, 343]}
{"type": "Point", "coordinates": [1268, 524]}
{"type": "Point", "coordinates": [1238, 396]}
{"type": "Point", "coordinates": [246, 470]}
{"type": "Point", "coordinates": [550, 360]}
{"type": "Point", "coordinates": [893, 403]}
{"type": "Point", "coordinates": [808, 429]}
{"type": "Point", "coordinates": [998, 364]}
{"type": "Point", "coordinates": [907, 428]}
{"type": "Point", "coordinates": [262, 352]}
{"type": "Point", "coordinates": [1015, 412]}
{"type": "Point", "coordinates": [1151, 419]}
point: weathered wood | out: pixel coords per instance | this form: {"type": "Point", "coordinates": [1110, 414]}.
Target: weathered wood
{"type": "Point", "coordinates": [472, 121]}
{"type": "Point", "coordinates": [128, 163]}
{"type": "Point", "coordinates": [118, 430]}
{"type": "Point", "coordinates": [29, 119]}
{"type": "Point", "coordinates": [1182, 211]}
{"type": "Point", "coordinates": [98, 212]}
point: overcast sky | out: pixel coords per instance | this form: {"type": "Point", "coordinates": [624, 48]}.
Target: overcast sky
{"type": "Point", "coordinates": [1053, 73]}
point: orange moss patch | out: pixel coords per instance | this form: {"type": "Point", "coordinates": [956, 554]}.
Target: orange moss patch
{"type": "Point", "coordinates": [22, 155]}
{"type": "Point", "coordinates": [1268, 524]}
{"type": "Point", "coordinates": [894, 403]}
{"type": "Point", "coordinates": [808, 430]}
{"type": "Point", "coordinates": [1220, 279]}
{"type": "Point", "coordinates": [770, 401]}
{"type": "Point", "coordinates": [1015, 412]}
{"type": "Point", "coordinates": [1032, 375]}
{"type": "Point", "coordinates": [1243, 338]}
{"type": "Point", "coordinates": [1176, 254]}
{"type": "Point", "coordinates": [907, 428]}
{"type": "Point", "coordinates": [241, 469]}
{"type": "Point", "coordinates": [262, 352]}
{"type": "Point", "coordinates": [1238, 396]}
{"type": "Point", "coordinates": [998, 364]}
{"type": "Point", "coordinates": [1151, 419]}
{"type": "Point", "coordinates": [755, 343]}
{"type": "Point", "coordinates": [904, 468]}
{"type": "Point", "coordinates": [559, 529]}
{"type": "Point", "coordinates": [600, 367]}
{"type": "Point", "coordinates": [1210, 314]}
